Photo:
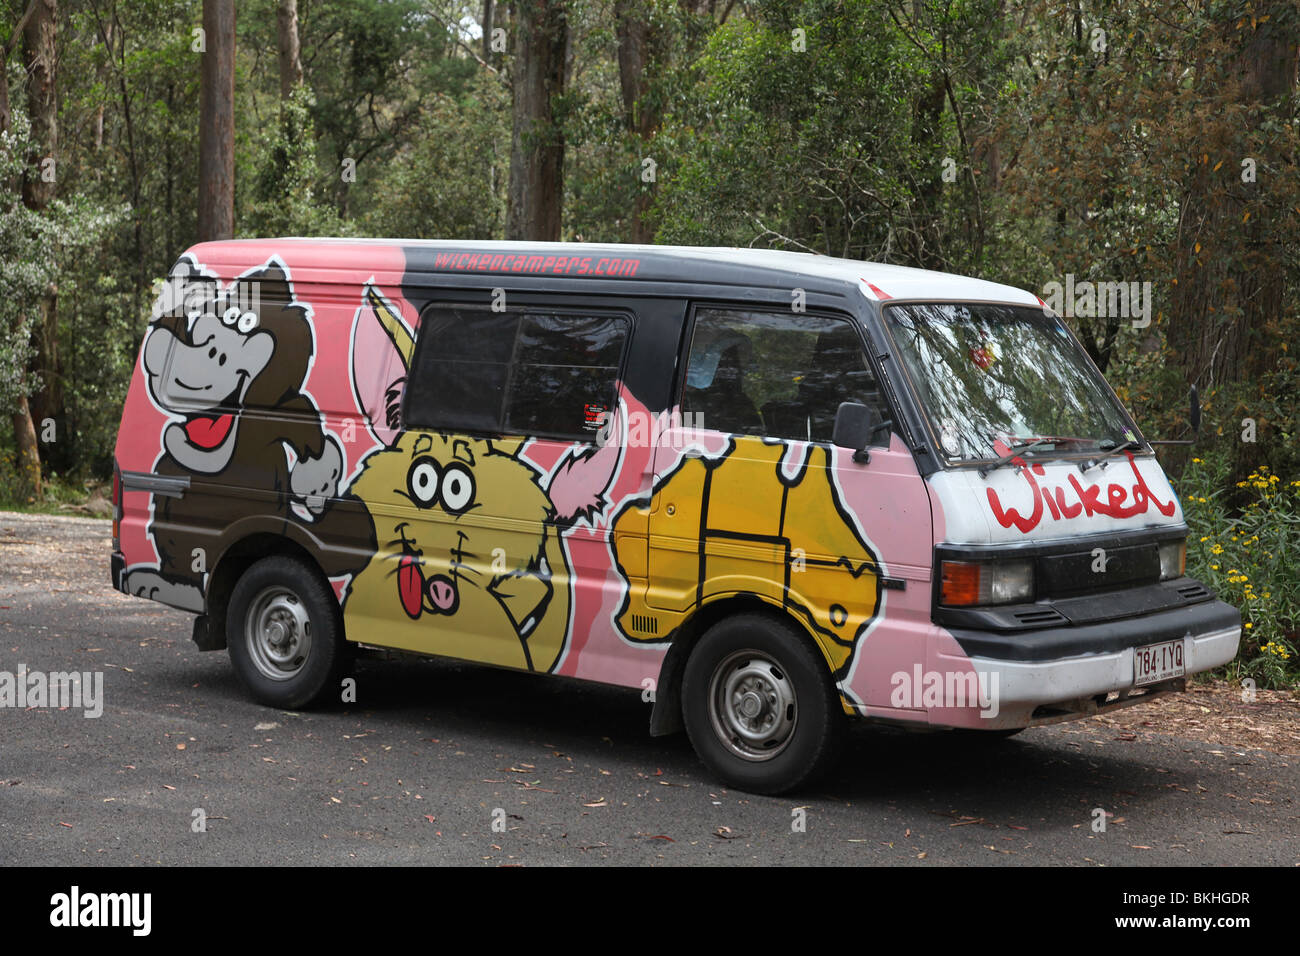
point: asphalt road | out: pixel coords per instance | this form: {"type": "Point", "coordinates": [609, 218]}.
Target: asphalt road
{"type": "Point", "coordinates": [433, 753]}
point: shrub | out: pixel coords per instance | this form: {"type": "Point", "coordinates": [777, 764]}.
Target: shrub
{"type": "Point", "coordinates": [1252, 558]}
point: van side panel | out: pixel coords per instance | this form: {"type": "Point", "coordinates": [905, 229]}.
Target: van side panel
{"type": "Point", "coordinates": [237, 421]}
{"type": "Point", "coordinates": [266, 407]}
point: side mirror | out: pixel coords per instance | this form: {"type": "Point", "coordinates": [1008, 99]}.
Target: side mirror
{"type": "Point", "coordinates": [855, 425]}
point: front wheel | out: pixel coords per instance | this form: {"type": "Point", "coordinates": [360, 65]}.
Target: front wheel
{"type": "Point", "coordinates": [284, 634]}
{"type": "Point", "coordinates": [759, 705]}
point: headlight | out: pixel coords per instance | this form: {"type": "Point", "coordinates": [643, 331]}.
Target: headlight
{"type": "Point", "coordinates": [968, 583]}
{"type": "Point", "coordinates": [1173, 559]}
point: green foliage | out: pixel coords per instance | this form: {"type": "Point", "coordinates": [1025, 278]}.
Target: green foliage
{"type": "Point", "coordinates": [27, 267]}
{"type": "Point", "coordinates": [825, 126]}
{"type": "Point", "coordinates": [35, 250]}
{"type": "Point", "coordinates": [1252, 558]}
{"type": "Point", "coordinates": [449, 181]}
{"type": "Point", "coordinates": [285, 197]}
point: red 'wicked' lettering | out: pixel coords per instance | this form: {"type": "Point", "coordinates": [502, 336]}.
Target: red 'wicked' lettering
{"type": "Point", "coordinates": [1070, 511]}
{"type": "Point", "coordinates": [1090, 496]}
{"type": "Point", "coordinates": [1011, 516]}
{"type": "Point", "coordinates": [1141, 491]}
{"type": "Point", "coordinates": [1117, 503]}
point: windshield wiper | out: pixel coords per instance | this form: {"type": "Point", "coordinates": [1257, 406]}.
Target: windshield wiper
{"type": "Point", "coordinates": [1130, 445]}
{"type": "Point", "coordinates": [1015, 452]}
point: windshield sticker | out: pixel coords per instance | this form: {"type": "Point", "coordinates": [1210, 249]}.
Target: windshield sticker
{"type": "Point", "coordinates": [984, 356]}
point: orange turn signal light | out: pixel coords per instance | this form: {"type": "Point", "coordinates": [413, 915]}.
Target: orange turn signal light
{"type": "Point", "coordinates": [960, 584]}
{"type": "Point", "coordinates": [1000, 581]}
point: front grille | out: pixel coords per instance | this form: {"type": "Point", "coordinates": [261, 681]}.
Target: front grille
{"type": "Point", "coordinates": [1080, 572]}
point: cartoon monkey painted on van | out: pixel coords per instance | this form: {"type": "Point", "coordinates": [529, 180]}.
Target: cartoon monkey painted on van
{"type": "Point", "coordinates": [470, 561]}
{"type": "Point", "coordinates": [212, 353]}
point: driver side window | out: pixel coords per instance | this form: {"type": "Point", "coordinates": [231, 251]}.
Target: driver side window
{"type": "Point", "coordinates": [774, 374]}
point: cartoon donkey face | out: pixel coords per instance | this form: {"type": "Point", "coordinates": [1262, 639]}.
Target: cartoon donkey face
{"type": "Point", "coordinates": [469, 532]}
{"type": "Point", "coordinates": [465, 533]}
{"type": "Point", "coordinates": [428, 495]}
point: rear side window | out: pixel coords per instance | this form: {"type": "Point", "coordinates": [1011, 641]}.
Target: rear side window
{"type": "Point", "coordinates": [533, 372]}
{"type": "Point", "coordinates": [776, 374]}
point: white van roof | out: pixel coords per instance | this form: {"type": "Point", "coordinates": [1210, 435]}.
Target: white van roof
{"type": "Point", "coordinates": [877, 281]}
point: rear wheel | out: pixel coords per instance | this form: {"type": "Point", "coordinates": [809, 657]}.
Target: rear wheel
{"type": "Point", "coordinates": [759, 705]}
{"type": "Point", "coordinates": [284, 633]}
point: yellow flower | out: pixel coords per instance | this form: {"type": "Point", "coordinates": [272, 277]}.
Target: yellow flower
{"type": "Point", "coordinates": [1248, 625]}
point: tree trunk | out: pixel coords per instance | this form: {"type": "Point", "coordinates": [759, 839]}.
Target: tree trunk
{"type": "Point", "coordinates": [489, 14]}
{"type": "Point", "coordinates": [636, 50]}
{"type": "Point", "coordinates": [1232, 271]}
{"type": "Point", "coordinates": [1221, 300]}
{"type": "Point", "coordinates": [290, 52]}
{"type": "Point", "coordinates": [40, 61]}
{"type": "Point", "coordinates": [6, 114]}
{"type": "Point", "coordinates": [42, 105]}
{"type": "Point", "coordinates": [217, 122]}
{"type": "Point", "coordinates": [29, 455]}
{"type": "Point", "coordinates": [105, 78]}
{"type": "Point", "coordinates": [537, 142]}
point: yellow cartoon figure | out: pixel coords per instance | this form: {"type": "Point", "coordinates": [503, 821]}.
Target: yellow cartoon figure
{"type": "Point", "coordinates": [763, 528]}
{"type": "Point", "coordinates": [467, 563]}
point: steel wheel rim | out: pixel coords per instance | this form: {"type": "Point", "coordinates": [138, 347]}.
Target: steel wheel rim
{"type": "Point", "coordinates": [752, 706]}
{"type": "Point", "coordinates": [277, 630]}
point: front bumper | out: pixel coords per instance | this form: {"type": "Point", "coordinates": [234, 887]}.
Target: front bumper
{"type": "Point", "coordinates": [1052, 691]}
{"type": "Point", "coordinates": [1032, 685]}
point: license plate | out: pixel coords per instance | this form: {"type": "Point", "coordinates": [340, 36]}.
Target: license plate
{"type": "Point", "coordinates": [1157, 662]}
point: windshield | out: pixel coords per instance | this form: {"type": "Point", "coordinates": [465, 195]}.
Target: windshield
{"type": "Point", "coordinates": [997, 379]}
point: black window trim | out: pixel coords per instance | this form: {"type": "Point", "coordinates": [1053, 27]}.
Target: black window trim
{"type": "Point", "coordinates": [620, 311]}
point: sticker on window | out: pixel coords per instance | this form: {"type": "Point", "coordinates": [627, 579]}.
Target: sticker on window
{"type": "Point", "coordinates": [593, 417]}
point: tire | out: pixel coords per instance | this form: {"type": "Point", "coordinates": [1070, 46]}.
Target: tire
{"type": "Point", "coordinates": [285, 599]}
{"type": "Point", "coordinates": [759, 705]}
